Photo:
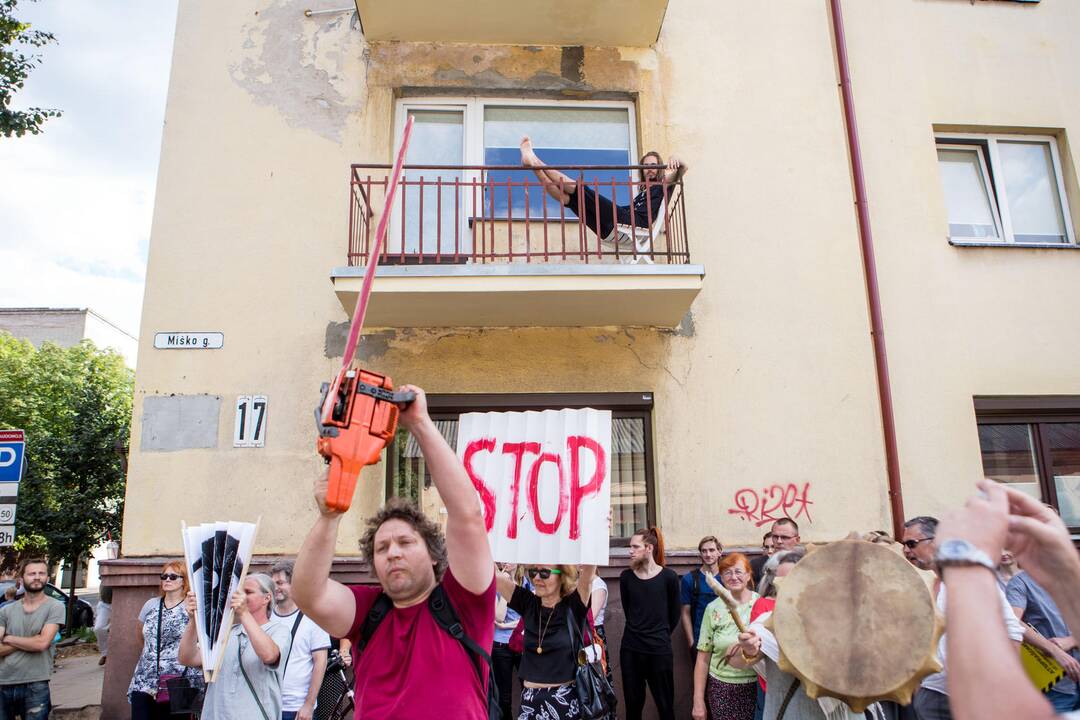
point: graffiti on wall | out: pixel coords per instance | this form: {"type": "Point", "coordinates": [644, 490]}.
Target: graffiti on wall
{"type": "Point", "coordinates": [772, 503]}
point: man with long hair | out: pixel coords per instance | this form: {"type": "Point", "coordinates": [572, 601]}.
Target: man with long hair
{"type": "Point", "coordinates": [650, 601]}
{"type": "Point", "coordinates": [27, 628]}
{"type": "Point", "coordinates": [409, 666]}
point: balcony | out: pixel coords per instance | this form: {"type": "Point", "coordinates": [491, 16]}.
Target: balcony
{"type": "Point", "coordinates": [484, 246]}
{"type": "Point", "coordinates": [626, 23]}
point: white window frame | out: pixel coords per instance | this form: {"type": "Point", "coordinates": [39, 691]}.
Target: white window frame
{"type": "Point", "coordinates": [998, 193]}
{"type": "Point", "coordinates": [474, 126]}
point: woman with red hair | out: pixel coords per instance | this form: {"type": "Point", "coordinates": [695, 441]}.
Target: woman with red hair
{"type": "Point", "coordinates": [723, 692]}
{"type": "Point", "coordinates": [163, 620]}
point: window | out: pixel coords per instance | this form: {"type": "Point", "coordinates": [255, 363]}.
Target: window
{"type": "Point", "coordinates": [632, 505]}
{"type": "Point", "coordinates": [1004, 189]}
{"type": "Point", "coordinates": [1034, 445]}
{"type": "Point", "coordinates": [470, 132]}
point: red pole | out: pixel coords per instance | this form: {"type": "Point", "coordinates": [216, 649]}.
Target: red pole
{"type": "Point", "coordinates": [866, 240]}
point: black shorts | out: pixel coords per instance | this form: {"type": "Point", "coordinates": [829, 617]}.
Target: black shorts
{"type": "Point", "coordinates": [599, 213]}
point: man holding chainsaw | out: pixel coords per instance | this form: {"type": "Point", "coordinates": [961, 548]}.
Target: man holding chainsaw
{"type": "Point", "coordinates": [407, 663]}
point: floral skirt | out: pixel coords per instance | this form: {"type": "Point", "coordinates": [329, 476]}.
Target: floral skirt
{"type": "Point", "coordinates": [554, 703]}
{"type": "Point", "coordinates": [730, 701]}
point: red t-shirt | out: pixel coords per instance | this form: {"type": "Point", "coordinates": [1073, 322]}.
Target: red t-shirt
{"type": "Point", "coordinates": [412, 668]}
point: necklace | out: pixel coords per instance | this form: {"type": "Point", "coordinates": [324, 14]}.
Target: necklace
{"type": "Point", "coordinates": [543, 628]}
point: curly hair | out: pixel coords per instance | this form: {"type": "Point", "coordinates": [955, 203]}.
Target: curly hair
{"type": "Point", "coordinates": [400, 509]}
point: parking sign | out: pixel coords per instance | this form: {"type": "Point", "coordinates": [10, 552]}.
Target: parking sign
{"type": "Point", "coordinates": [12, 455]}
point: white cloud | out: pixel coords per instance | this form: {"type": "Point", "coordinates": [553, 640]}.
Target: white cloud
{"type": "Point", "coordinates": [77, 200]}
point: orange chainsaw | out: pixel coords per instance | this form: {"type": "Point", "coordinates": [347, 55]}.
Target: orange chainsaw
{"type": "Point", "coordinates": [358, 413]}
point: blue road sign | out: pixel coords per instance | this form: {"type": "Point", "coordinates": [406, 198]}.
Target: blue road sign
{"type": "Point", "coordinates": [12, 455]}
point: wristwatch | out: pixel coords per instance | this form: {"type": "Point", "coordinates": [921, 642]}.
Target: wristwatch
{"type": "Point", "coordinates": [961, 553]}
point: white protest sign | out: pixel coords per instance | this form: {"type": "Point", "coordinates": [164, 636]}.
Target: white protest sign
{"type": "Point", "coordinates": [544, 482]}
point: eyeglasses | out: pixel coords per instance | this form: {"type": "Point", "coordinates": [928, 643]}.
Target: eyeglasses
{"type": "Point", "coordinates": [169, 576]}
{"type": "Point", "coordinates": [912, 544]}
{"type": "Point", "coordinates": [732, 573]}
{"type": "Point", "coordinates": [544, 573]}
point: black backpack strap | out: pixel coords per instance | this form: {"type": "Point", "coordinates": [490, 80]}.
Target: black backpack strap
{"type": "Point", "coordinates": [446, 617]}
{"type": "Point", "coordinates": [378, 612]}
{"type": "Point", "coordinates": [292, 640]}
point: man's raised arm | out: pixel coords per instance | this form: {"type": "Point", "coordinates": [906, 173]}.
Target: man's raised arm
{"type": "Point", "coordinates": [329, 603]}
{"type": "Point", "coordinates": [466, 537]}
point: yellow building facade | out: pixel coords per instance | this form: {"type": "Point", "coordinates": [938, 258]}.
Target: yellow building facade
{"type": "Point", "coordinates": [742, 370]}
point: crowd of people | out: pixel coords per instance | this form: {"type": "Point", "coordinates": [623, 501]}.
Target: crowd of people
{"type": "Point", "coordinates": [446, 629]}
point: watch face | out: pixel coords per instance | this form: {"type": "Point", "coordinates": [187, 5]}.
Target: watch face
{"type": "Point", "coordinates": [954, 549]}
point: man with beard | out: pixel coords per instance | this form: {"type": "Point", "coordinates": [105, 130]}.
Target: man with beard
{"type": "Point", "coordinates": [28, 627]}
{"type": "Point", "coordinates": [305, 657]}
{"type": "Point", "coordinates": [650, 600]}
{"type": "Point", "coordinates": [406, 664]}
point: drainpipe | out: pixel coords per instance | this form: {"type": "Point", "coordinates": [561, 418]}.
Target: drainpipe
{"type": "Point", "coordinates": [866, 241]}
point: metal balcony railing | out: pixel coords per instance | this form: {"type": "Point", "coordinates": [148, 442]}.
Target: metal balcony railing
{"type": "Point", "coordinates": [458, 214]}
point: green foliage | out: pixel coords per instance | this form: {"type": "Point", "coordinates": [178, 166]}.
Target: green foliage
{"type": "Point", "coordinates": [75, 406]}
{"type": "Point", "coordinates": [16, 62]}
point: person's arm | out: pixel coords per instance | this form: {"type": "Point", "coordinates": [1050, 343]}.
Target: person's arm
{"type": "Point", "coordinates": [1041, 544]}
{"type": "Point", "coordinates": [34, 643]}
{"type": "Point", "coordinates": [586, 573]}
{"type": "Point", "coordinates": [676, 168]}
{"type": "Point", "coordinates": [624, 595]}
{"type": "Point", "coordinates": [189, 654]}
{"type": "Point", "coordinates": [264, 646]}
{"type": "Point", "coordinates": [979, 689]}
{"type": "Point", "coordinates": [1035, 638]}
{"type": "Point", "coordinates": [747, 651]}
{"type": "Point", "coordinates": [598, 601]}
{"type": "Point", "coordinates": [674, 607]}
{"type": "Point", "coordinates": [467, 544]}
{"type": "Point", "coordinates": [505, 585]}
{"type": "Point", "coordinates": [318, 669]}
{"type": "Point", "coordinates": [1066, 643]}
{"type": "Point", "coordinates": [329, 603]}
{"type": "Point", "coordinates": [688, 625]}
{"type": "Point", "coordinates": [345, 649]}
{"type": "Point", "coordinates": [701, 675]}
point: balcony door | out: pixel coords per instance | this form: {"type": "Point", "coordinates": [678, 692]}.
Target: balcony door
{"type": "Point", "coordinates": [439, 229]}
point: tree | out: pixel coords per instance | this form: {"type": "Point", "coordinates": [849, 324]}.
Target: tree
{"type": "Point", "coordinates": [16, 38]}
{"type": "Point", "coordinates": [75, 406]}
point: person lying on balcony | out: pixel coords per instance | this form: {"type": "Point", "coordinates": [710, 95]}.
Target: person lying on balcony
{"type": "Point", "coordinates": [640, 213]}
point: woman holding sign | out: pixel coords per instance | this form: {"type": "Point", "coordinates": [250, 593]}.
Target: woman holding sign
{"type": "Point", "coordinates": [549, 661]}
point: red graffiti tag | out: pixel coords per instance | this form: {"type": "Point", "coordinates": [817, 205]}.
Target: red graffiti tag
{"type": "Point", "coordinates": [772, 503]}
{"type": "Point", "coordinates": [487, 497]}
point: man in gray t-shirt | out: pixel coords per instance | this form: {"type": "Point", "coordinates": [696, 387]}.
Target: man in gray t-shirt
{"type": "Point", "coordinates": [27, 629]}
{"type": "Point", "coordinates": [1034, 606]}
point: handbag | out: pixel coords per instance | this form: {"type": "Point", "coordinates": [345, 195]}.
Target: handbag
{"type": "Point", "coordinates": [517, 638]}
{"type": "Point", "coordinates": [595, 695]}
{"type": "Point", "coordinates": [162, 694]}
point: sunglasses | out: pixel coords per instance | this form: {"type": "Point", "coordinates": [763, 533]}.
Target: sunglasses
{"type": "Point", "coordinates": [912, 544]}
{"type": "Point", "coordinates": [544, 573]}
{"type": "Point", "coordinates": [169, 576]}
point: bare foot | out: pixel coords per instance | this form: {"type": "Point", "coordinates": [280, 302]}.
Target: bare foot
{"type": "Point", "coordinates": [528, 157]}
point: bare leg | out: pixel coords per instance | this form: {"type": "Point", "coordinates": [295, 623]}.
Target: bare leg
{"type": "Point", "coordinates": [557, 185]}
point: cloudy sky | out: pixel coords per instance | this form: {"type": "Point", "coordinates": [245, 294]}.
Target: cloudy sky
{"type": "Point", "coordinates": [76, 201]}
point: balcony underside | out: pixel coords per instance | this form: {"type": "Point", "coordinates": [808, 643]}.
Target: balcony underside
{"type": "Point", "coordinates": [523, 295]}
{"type": "Point", "coordinates": [625, 23]}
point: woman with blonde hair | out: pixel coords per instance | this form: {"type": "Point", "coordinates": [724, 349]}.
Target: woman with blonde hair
{"type": "Point", "coordinates": [247, 685]}
{"type": "Point", "coordinates": [549, 660]}
{"type": "Point", "coordinates": [722, 692]}
{"type": "Point", "coordinates": [162, 620]}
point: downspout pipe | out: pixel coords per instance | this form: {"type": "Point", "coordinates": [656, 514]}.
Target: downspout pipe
{"type": "Point", "coordinates": [873, 296]}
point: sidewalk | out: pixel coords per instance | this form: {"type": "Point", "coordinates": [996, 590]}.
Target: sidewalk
{"type": "Point", "coordinates": [75, 685]}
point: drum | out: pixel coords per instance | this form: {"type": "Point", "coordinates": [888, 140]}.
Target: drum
{"type": "Point", "coordinates": [856, 621]}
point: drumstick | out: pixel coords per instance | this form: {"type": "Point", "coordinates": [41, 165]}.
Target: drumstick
{"type": "Point", "coordinates": [724, 594]}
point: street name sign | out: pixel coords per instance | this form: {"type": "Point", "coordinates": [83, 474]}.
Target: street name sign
{"type": "Point", "coordinates": [189, 340]}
